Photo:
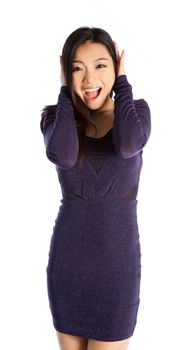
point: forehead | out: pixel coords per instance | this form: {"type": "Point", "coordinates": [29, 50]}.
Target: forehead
{"type": "Point", "coordinates": [91, 51]}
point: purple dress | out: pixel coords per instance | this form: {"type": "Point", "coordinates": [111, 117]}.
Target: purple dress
{"type": "Point", "coordinates": [94, 263]}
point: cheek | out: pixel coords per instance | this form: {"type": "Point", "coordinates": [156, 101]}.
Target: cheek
{"type": "Point", "coordinates": [110, 78]}
{"type": "Point", "coordinates": [110, 82]}
{"type": "Point", "coordinates": [75, 83]}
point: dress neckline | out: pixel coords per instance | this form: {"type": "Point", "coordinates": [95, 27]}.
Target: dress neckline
{"type": "Point", "coordinates": [99, 138]}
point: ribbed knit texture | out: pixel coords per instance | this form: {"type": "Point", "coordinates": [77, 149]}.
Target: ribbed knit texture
{"type": "Point", "coordinates": [94, 265]}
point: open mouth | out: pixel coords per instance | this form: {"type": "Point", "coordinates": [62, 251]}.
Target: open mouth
{"type": "Point", "coordinates": [92, 94]}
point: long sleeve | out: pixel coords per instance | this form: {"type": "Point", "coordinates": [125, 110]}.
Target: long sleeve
{"type": "Point", "coordinates": [132, 120]}
{"type": "Point", "coordinates": [60, 133]}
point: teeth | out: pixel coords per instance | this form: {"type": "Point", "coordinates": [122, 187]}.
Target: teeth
{"type": "Point", "coordinates": [92, 89]}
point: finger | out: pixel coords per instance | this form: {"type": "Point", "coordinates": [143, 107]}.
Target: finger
{"type": "Point", "coordinates": [122, 56]}
{"type": "Point", "coordinates": [61, 60]}
{"type": "Point", "coordinates": [116, 49]}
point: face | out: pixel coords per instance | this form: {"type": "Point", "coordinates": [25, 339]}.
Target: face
{"type": "Point", "coordinates": [93, 75]}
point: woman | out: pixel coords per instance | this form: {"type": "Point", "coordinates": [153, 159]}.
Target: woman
{"type": "Point", "coordinates": [96, 142]}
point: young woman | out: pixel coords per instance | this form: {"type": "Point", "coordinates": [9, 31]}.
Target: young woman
{"type": "Point", "coordinates": [95, 137]}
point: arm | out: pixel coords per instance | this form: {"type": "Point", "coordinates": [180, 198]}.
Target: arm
{"type": "Point", "coordinates": [132, 122]}
{"type": "Point", "coordinates": [60, 133]}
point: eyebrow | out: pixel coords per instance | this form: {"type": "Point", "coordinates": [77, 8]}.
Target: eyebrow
{"type": "Point", "coordinates": [98, 59]}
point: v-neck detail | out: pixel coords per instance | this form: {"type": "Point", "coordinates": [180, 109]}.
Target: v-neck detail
{"type": "Point", "coordinates": [103, 166]}
{"type": "Point", "coordinates": [100, 149]}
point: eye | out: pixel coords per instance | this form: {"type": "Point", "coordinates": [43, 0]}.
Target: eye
{"type": "Point", "coordinates": [75, 69]}
{"type": "Point", "coordinates": [100, 65]}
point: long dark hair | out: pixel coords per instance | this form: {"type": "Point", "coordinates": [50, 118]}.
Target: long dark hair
{"type": "Point", "coordinates": [81, 112]}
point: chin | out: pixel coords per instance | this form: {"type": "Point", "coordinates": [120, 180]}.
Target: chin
{"type": "Point", "coordinates": [95, 108]}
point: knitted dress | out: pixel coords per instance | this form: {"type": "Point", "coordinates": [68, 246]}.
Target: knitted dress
{"type": "Point", "coordinates": [94, 260]}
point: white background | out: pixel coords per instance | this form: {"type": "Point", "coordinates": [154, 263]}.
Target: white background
{"type": "Point", "coordinates": [158, 42]}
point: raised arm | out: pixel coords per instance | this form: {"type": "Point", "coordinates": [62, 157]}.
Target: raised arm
{"type": "Point", "coordinates": [132, 120]}
{"type": "Point", "coordinates": [60, 133]}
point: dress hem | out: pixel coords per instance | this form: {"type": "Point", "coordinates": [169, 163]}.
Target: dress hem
{"type": "Point", "coordinates": [80, 334]}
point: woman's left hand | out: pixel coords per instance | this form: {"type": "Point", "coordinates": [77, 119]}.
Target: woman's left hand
{"type": "Point", "coordinates": [120, 60]}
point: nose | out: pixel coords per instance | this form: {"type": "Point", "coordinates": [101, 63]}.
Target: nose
{"type": "Point", "coordinates": [89, 76]}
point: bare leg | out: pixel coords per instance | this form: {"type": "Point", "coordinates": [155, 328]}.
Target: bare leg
{"type": "Point", "coordinates": [71, 342]}
{"type": "Point", "coordinates": [108, 345]}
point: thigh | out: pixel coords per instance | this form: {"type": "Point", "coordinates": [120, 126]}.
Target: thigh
{"type": "Point", "coordinates": [68, 341]}
{"type": "Point", "coordinates": [108, 345]}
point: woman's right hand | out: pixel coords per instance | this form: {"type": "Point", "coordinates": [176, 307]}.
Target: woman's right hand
{"type": "Point", "coordinates": [62, 76]}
